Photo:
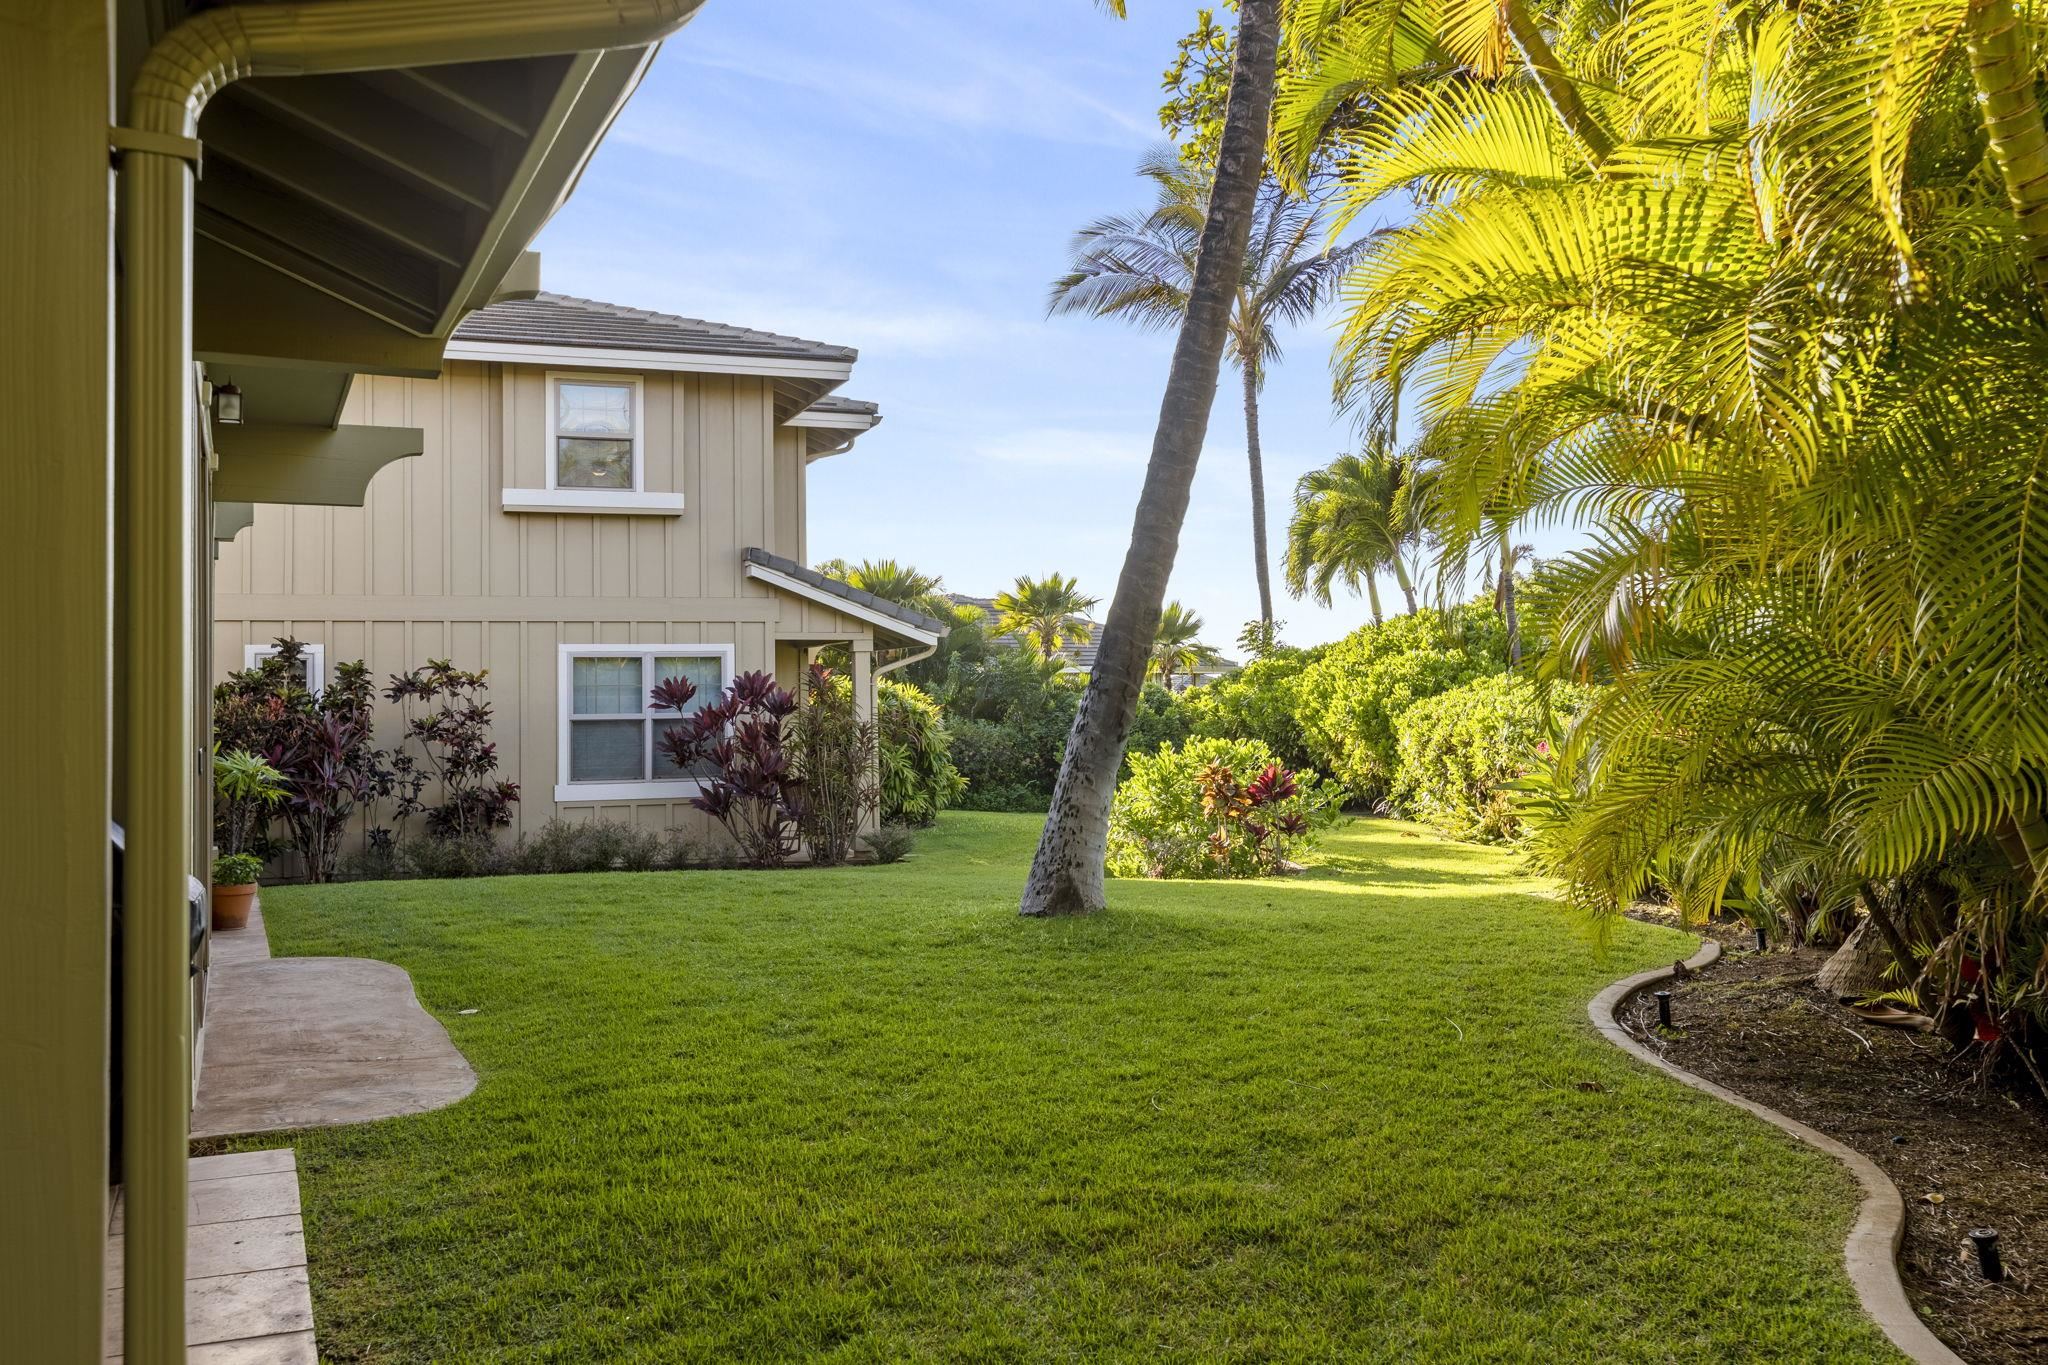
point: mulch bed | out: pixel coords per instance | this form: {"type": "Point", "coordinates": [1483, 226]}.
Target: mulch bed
{"type": "Point", "coordinates": [1963, 1156]}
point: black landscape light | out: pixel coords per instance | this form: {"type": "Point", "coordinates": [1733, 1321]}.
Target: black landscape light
{"type": "Point", "coordinates": [1762, 945]}
{"type": "Point", "coordinates": [1663, 999]}
{"type": "Point", "coordinates": [1988, 1260]}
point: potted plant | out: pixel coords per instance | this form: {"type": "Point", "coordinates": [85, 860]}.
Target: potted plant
{"type": "Point", "coordinates": [234, 888]}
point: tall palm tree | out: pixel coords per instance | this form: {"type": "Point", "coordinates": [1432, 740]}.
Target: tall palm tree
{"type": "Point", "coordinates": [1067, 870]}
{"type": "Point", "coordinates": [1140, 266]}
{"type": "Point", "coordinates": [1176, 645]}
{"type": "Point", "coordinates": [1046, 613]}
{"type": "Point", "coordinates": [1507, 560]}
{"type": "Point", "coordinates": [1347, 528]}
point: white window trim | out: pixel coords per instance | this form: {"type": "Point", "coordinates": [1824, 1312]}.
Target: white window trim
{"type": "Point", "coordinates": [668, 789]}
{"type": "Point", "coordinates": [554, 458]}
{"type": "Point", "coordinates": [315, 656]}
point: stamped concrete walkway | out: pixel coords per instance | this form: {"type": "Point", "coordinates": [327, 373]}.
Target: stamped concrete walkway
{"type": "Point", "coordinates": [246, 1297]}
{"type": "Point", "coordinates": [307, 1042]}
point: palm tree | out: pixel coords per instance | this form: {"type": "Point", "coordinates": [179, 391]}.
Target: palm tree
{"type": "Point", "coordinates": [1508, 558]}
{"type": "Point", "coordinates": [1046, 613]}
{"type": "Point", "coordinates": [1140, 266]}
{"type": "Point", "coordinates": [1176, 647]}
{"type": "Point", "coordinates": [1067, 870]}
{"type": "Point", "coordinates": [894, 582]}
{"type": "Point", "coordinates": [1347, 527]}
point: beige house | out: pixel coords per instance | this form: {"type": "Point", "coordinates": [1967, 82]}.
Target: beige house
{"type": "Point", "coordinates": [605, 497]}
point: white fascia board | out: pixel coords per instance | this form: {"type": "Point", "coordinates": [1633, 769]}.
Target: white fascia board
{"type": "Point", "coordinates": [604, 357]}
{"type": "Point", "coordinates": [839, 421]}
{"type": "Point", "coordinates": [594, 501]}
{"type": "Point", "coordinates": [859, 611]}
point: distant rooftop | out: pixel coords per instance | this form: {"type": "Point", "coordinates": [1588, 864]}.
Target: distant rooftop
{"type": "Point", "coordinates": [561, 320]}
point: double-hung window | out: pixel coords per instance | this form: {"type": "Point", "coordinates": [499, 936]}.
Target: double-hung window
{"type": "Point", "coordinates": [610, 729]}
{"type": "Point", "coordinates": [596, 456]}
{"type": "Point", "coordinates": [594, 434]}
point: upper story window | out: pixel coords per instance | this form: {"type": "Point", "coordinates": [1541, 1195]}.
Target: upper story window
{"type": "Point", "coordinates": [595, 456]}
{"type": "Point", "coordinates": [594, 432]}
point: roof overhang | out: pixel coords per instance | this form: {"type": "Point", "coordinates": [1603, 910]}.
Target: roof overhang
{"type": "Point", "coordinates": [883, 623]}
{"type": "Point", "coordinates": [830, 433]}
{"type": "Point", "coordinates": [406, 196]}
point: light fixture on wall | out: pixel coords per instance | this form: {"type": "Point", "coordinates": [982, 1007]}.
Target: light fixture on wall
{"type": "Point", "coordinates": [227, 405]}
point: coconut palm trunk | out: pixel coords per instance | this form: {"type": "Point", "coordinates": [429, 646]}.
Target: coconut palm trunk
{"type": "Point", "coordinates": [2002, 69]}
{"type": "Point", "coordinates": [1372, 597]}
{"type": "Point", "coordinates": [1067, 873]}
{"type": "Point", "coordinates": [1256, 460]}
{"type": "Point", "coordinates": [1556, 83]}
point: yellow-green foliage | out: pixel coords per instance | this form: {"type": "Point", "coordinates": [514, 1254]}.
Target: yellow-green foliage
{"type": "Point", "coordinates": [1460, 750]}
{"type": "Point", "coordinates": [1348, 701]}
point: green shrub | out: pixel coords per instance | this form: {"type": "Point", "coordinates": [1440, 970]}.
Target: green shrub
{"type": "Point", "coordinates": [891, 843]}
{"type": "Point", "coordinates": [590, 846]}
{"type": "Point", "coordinates": [236, 869]}
{"type": "Point", "coordinates": [1214, 808]}
{"type": "Point", "coordinates": [1161, 720]}
{"type": "Point", "coordinates": [467, 855]}
{"type": "Point", "coordinates": [1459, 750]}
{"type": "Point", "coordinates": [1259, 702]}
{"type": "Point", "coordinates": [1349, 700]}
{"type": "Point", "coordinates": [918, 776]}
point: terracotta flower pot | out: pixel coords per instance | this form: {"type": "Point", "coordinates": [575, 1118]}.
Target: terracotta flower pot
{"type": "Point", "coordinates": [231, 905]}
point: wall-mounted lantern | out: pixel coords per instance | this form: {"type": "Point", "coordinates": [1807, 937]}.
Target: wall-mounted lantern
{"type": "Point", "coordinates": [227, 405]}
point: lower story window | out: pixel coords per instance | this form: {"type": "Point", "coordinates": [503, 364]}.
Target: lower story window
{"type": "Point", "coordinates": [610, 742]}
{"type": "Point", "coordinates": [310, 672]}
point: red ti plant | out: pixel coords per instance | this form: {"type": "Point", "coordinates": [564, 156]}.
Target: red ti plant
{"type": "Point", "coordinates": [1253, 821]}
{"type": "Point", "coordinates": [754, 790]}
{"type": "Point", "coordinates": [454, 733]}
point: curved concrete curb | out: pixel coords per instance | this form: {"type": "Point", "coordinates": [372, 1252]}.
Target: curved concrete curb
{"type": "Point", "coordinates": [1872, 1251]}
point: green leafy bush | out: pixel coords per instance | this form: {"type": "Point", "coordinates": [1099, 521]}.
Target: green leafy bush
{"type": "Point", "coordinates": [236, 869]}
{"type": "Point", "coordinates": [1259, 702]}
{"type": "Point", "coordinates": [1458, 752]}
{"type": "Point", "coordinates": [1350, 699]}
{"type": "Point", "coordinates": [918, 776]}
{"type": "Point", "coordinates": [1214, 808]}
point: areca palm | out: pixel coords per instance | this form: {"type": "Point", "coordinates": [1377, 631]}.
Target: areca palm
{"type": "Point", "coordinates": [1771, 342]}
{"type": "Point", "coordinates": [1176, 644]}
{"type": "Point", "coordinates": [1046, 613]}
{"type": "Point", "coordinates": [1140, 267]}
{"type": "Point", "coordinates": [1347, 527]}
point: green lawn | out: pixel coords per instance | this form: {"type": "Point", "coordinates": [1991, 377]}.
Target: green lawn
{"type": "Point", "coordinates": [871, 1115]}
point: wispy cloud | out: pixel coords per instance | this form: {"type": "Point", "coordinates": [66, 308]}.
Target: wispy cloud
{"type": "Point", "coordinates": [955, 81]}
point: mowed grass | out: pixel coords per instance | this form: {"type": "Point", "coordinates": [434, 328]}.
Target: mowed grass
{"type": "Point", "coordinates": [869, 1114]}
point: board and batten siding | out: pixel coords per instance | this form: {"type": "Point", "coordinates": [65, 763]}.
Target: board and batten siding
{"type": "Point", "coordinates": [432, 567]}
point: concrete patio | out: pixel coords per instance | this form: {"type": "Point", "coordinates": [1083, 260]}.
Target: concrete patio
{"type": "Point", "coordinates": [289, 1043]}
{"type": "Point", "coordinates": [307, 1042]}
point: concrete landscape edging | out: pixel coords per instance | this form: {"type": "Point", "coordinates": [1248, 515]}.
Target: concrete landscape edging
{"type": "Point", "coordinates": [1871, 1253]}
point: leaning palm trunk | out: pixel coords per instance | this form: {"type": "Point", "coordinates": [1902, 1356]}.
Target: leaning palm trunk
{"type": "Point", "coordinates": [1556, 83]}
{"type": "Point", "coordinates": [1258, 466]}
{"type": "Point", "coordinates": [2004, 77]}
{"type": "Point", "coordinates": [1066, 875]}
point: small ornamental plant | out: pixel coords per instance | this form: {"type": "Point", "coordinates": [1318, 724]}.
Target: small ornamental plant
{"type": "Point", "coordinates": [446, 715]}
{"type": "Point", "coordinates": [741, 740]}
{"type": "Point", "coordinates": [236, 869]}
{"type": "Point", "coordinates": [1215, 808]}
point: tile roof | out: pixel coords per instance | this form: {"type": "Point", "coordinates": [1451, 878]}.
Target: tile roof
{"type": "Point", "coordinates": [789, 568]}
{"type": "Point", "coordinates": [560, 320]}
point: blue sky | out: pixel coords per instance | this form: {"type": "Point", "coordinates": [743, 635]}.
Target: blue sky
{"type": "Point", "coordinates": [903, 176]}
